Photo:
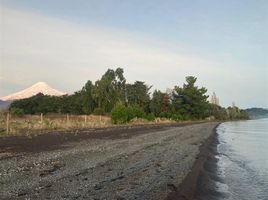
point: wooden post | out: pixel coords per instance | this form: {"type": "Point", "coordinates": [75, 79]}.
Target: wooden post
{"type": "Point", "coordinates": [41, 118]}
{"type": "Point", "coordinates": [67, 118]}
{"type": "Point", "coordinates": [85, 118]}
{"type": "Point", "coordinates": [7, 123]}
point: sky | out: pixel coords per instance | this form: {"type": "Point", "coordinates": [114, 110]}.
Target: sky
{"type": "Point", "coordinates": [66, 42]}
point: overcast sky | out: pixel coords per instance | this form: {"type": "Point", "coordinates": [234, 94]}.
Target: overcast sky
{"type": "Point", "coordinates": [67, 42]}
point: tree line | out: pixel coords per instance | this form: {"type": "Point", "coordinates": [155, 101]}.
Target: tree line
{"type": "Point", "coordinates": [112, 95]}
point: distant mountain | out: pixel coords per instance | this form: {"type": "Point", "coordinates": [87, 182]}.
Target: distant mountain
{"type": "Point", "coordinates": [4, 104]}
{"type": "Point", "coordinates": [256, 113]}
{"type": "Point", "coordinates": [40, 87]}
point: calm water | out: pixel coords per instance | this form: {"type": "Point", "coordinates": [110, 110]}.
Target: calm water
{"type": "Point", "coordinates": [242, 165]}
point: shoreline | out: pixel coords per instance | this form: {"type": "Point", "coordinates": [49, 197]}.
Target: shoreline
{"type": "Point", "coordinates": [205, 166]}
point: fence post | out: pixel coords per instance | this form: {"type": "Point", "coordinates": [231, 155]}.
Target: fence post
{"type": "Point", "coordinates": [85, 118]}
{"type": "Point", "coordinates": [7, 123]}
{"type": "Point", "coordinates": [67, 118]}
{"type": "Point", "coordinates": [41, 118]}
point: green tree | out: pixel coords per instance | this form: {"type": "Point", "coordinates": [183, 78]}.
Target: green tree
{"type": "Point", "coordinates": [109, 89]}
{"type": "Point", "coordinates": [156, 102]}
{"type": "Point", "coordinates": [234, 113]}
{"type": "Point", "coordinates": [190, 100]}
{"type": "Point", "coordinates": [135, 111]}
{"type": "Point", "coordinates": [217, 111]}
{"type": "Point", "coordinates": [119, 114]}
{"type": "Point", "coordinates": [138, 93]}
{"type": "Point", "coordinates": [86, 98]}
{"type": "Point", "coordinates": [120, 83]}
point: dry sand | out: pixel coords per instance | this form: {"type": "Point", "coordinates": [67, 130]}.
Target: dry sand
{"type": "Point", "coordinates": [124, 163]}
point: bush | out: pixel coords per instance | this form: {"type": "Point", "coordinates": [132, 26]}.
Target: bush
{"type": "Point", "coordinates": [162, 115]}
{"type": "Point", "coordinates": [186, 117]}
{"type": "Point", "coordinates": [119, 114]}
{"type": "Point", "coordinates": [167, 115]}
{"type": "Point", "coordinates": [135, 111]}
{"type": "Point", "coordinates": [177, 117]}
{"type": "Point", "coordinates": [17, 112]}
{"type": "Point", "coordinates": [98, 111]}
{"type": "Point", "coordinates": [150, 117]}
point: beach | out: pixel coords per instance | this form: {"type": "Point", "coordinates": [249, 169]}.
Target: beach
{"type": "Point", "coordinates": [143, 162]}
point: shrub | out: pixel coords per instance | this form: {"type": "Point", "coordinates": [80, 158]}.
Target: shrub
{"type": "Point", "coordinates": [119, 114]}
{"type": "Point", "coordinates": [135, 111]}
{"type": "Point", "coordinates": [186, 117]}
{"type": "Point", "coordinates": [177, 117]}
{"type": "Point", "coordinates": [98, 111]}
{"type": "Point", "coordinates": [162, 115]}
{"type": "Point", "coordinates": [150, 117]}
{"type": "Point", "coordinates": [17, 112]}
{"type": "Point", "coordinates": [167, 115]}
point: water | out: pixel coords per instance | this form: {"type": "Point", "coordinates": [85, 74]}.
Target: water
{"type": "Point", "coordinates": [242, 161]}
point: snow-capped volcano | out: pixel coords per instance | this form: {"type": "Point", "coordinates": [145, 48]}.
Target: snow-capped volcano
{"type": "Point", "coordinates": [40, 87]}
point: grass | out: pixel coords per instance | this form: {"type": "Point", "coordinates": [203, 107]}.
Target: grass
{"type": "Point", "coordinates": [35, 124]}
{"type": "Point", "coordinates": [29, 124]}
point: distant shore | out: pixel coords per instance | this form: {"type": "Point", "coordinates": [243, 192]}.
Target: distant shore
{"type": "Point", "coordinates": [147, 162]}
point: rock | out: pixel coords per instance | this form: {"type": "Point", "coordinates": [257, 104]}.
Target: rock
{"type": "Point", "coordinates": [98, 187]}
{"type": "Point", "coordinates": [171, 187]}
{"type": "Point", "coordinates": [119, 197]}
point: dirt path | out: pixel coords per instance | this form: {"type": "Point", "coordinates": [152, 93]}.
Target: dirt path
{"type": "Point", "coordinates": [147, 164]}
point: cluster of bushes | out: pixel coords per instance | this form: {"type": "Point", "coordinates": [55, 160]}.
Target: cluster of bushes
{"type": "Point", "coordinates": [121, 114]}
{"type": "Point", "coordinates": [230, 113]}
{"type": "Point", "coordinates": [174, 116]}
{"type": "Point", "coordinates": [17, 112]}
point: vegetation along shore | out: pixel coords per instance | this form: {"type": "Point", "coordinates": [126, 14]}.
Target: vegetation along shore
{"type": "Point", "coordinates": [112, 100]}
{"type": "Point", "coordinates": [110, 140]}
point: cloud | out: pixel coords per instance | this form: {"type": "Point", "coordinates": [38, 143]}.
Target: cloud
{"type": "Point", "coordinates": [39, 48]}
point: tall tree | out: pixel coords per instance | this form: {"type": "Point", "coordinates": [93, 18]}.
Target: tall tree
{"type": "Point", "coordinates": [109, 89]}
{"type": "Point", "coordinates": [189, 99]}
{"type": "Point", "coordinates": [156, 102]}
{"type": "Point", "coordinates": [138, 93]}
{"type": "Point", "coordinates": [87, 98]}
{"type": "Point", "coordinates": [120, 83]}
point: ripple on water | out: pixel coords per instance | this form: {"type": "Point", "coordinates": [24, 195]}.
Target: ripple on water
{"type": "Point", "coordinates": [239, 169]}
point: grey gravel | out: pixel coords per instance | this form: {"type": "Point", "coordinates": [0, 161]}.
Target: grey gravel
{"type": "Point", "coordinates": [147, 166]}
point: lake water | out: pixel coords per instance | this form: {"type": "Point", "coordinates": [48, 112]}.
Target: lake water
{"type": "Point", "coordinates": [242, 160]}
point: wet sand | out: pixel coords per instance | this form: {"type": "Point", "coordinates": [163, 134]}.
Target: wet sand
{"type": "Point", "coordinates": [206, 189]}
{"type": "Point", "coordinates": [197, 184]}
{"type": "Point", "coordinates": [146, 162]}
